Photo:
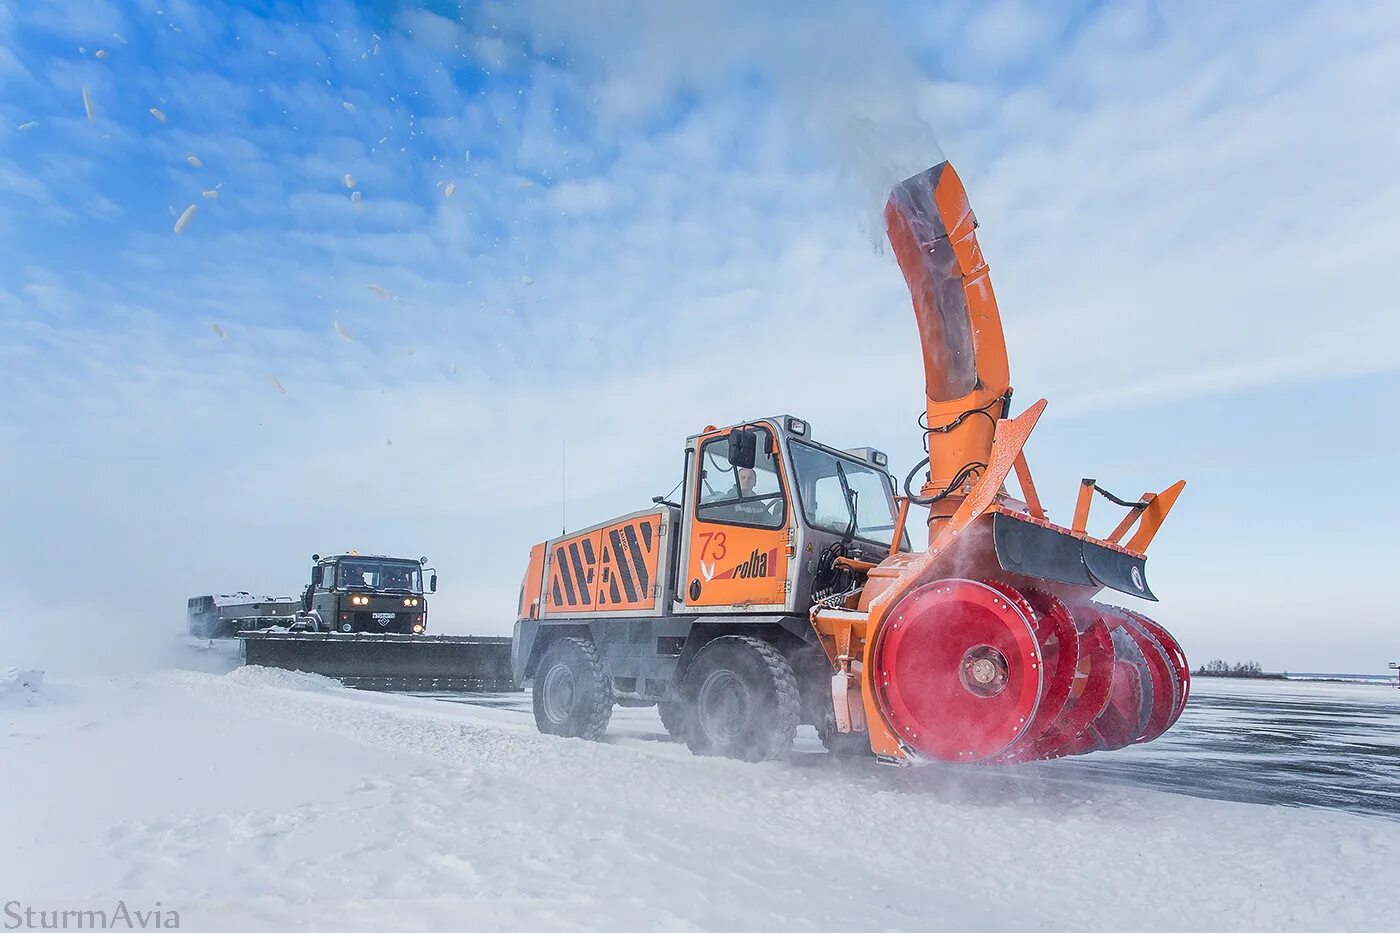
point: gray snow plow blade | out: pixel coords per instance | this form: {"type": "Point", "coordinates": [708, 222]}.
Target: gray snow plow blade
{"type": "Point", "coordinates": [456, 663]}
{"type": "Point", "coordinates": [1052, 554]}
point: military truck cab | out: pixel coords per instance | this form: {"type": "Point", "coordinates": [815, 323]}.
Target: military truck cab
{"type": "Point", "coordinates": [767, 522]}
{"type": "Point", "coordinates": [368, 593]}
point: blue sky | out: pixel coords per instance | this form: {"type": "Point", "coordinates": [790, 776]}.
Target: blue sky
{"type": "Point", "coordinates": [663, 216]}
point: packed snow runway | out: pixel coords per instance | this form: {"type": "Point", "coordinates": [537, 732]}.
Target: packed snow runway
{"type": "Point", "coordinates": [271, 800]}
{"type": "Point", "coordinates": [1297, 743]}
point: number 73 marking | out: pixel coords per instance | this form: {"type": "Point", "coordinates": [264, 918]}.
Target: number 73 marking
{"type": "Point", "coordinates": [718, 539]}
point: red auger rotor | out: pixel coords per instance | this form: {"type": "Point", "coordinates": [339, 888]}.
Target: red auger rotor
{"type": "Point", "coordinates": [984, 672]}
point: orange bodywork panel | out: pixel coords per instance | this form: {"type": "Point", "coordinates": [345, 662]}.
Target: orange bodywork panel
{"type": "Point", "coordinates": [573, 574]}
{"type": "Point", "coordinates": [734, 565]}
{"type": "Point", "coordinates": [532, 589]}
{"type": "Point", "coordinates": [627, 578]}
{"type": "Point", "coordinates": [614, 567]}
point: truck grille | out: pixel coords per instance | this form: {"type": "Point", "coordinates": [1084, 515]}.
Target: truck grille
{"type": "Point", "coordinates": [366, 620]}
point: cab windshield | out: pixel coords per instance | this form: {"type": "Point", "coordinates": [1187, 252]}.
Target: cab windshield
{"type": "Point", "coordinates": [381, 575]}
{"type": "Point", "coordinates": [844, 496]}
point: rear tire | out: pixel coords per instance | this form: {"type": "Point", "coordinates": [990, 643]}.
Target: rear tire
{"type": "Point", "coordinates": [741, 699]}
{"type": "Point", "coordinates": [572, 693]}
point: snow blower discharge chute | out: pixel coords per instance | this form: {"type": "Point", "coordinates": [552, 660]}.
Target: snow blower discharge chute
{"type": "Point", "coordinates": [781, 588]}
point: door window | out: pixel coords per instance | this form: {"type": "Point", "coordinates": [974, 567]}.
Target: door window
{"type": "Point", "coordinates": [739, 495]}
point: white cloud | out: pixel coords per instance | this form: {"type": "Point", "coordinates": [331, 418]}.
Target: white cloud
{"type": "Point", "coordinates": [1173, 215]}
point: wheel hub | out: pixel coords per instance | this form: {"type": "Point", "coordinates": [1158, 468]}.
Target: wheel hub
{"type": "Point", "coordinates": [724, 706]}
{"type": "Point", "coordinates": [559, 693]}
{"type": "Point", "coordinates": [984, 671]}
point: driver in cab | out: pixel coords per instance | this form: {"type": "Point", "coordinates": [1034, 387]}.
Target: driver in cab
{"type": "Point", "coordinates": [747, 508]}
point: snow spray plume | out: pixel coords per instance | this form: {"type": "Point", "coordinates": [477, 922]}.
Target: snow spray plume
{"type": "Point", "coordinates": [842, 72]}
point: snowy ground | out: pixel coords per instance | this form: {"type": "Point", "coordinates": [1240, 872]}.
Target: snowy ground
{"type": "Point", "coordinates": [1299, 744]}
{"type": "Point", "coordinates": [269, 800]}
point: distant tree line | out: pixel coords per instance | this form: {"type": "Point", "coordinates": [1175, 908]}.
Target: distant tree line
{"type": "Point", "coordinates": [1220, 668]}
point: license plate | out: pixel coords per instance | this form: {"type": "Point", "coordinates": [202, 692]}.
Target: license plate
{"type": "Point", "coordinates": [383, 616]}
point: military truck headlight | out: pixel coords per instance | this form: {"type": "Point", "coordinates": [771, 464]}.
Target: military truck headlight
{"type": "Point", "coordinates": [359, 600]}
{"type": "Point", "coordinates": [410, 601]}
{"type": "Point", "coordinates": [418, 630]}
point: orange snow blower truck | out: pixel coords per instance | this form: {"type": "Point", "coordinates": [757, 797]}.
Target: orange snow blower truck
{"type": "Point", "coordinates": [781, 588]}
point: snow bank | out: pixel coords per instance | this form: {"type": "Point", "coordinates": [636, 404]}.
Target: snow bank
{"type": "Point", "coordinates": [21, 687]}
{"type": "Point", "coordinates": [253, 676]}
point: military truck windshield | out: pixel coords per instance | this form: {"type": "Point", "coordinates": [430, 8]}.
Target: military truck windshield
{"type": "Point", "coordinates": [840, 495]}
{"type": "Point", "coordinates": [381, 575]}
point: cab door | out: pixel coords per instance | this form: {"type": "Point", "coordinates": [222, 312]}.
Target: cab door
{"type": "Point", "coordinates": [737, 527]}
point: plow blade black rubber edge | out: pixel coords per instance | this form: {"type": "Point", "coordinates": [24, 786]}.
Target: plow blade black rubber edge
{"type": "Point", "coordinates": [1036, 551]}
{"type": "Point", "coordinates": [1118, 571]}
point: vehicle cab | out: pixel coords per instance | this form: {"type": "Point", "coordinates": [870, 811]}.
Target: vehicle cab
{"type": "Point", "coordinates": [369, 593]}
{"type": "Point", "coordinates": [767, 512]}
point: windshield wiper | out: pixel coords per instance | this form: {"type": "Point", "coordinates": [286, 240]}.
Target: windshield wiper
{"type": "Point", "coordinates": [849, 495]}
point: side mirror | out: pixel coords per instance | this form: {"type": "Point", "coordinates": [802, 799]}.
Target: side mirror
{"type": "Point", "coordinates": [317, 573]}
{"type": "Point", "coordinates": [432, 584]}
{"type": "Point", "coordinates": [315, 557]}
{"type": "Point", "coordinates": [743, 448]}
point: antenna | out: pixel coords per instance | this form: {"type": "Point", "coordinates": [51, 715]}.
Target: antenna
{"type": "Point", "coordinates": [563, 487]}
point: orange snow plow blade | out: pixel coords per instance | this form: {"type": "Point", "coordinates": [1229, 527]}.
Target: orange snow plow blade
{"type": "Point", "coordinates": [989, 647]}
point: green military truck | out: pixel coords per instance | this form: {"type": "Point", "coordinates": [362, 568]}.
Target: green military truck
{"type": "Point", "coordinates": [366, 593]}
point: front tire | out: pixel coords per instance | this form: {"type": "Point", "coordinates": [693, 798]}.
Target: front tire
{"type": "Point", "coordinates": [843, 744]}
{"type": "Point", "coordinates": [672, 711]}
{"type": "Point", "coordinates": [572, 693]}
{"type": "Point", "coordinates": [742, 700]}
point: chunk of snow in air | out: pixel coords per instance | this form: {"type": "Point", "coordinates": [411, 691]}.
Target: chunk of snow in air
{"type": "Point", "coordinates": [218, 329]}
{"type": "Point", "coordinates": [27, 126]}
{"type": "Point", "coordinates": [193, 159]}
{"type": "Point", "coordinates": [100, 53]}
{"type": "Point", "coordinates": [155, 112]}
{"type": "Point", "coordinates": [380, 291]}
{"type": "Point", "coordinates": [349, 107]}
{"type": "Point", "coordinates": [185, 218]}
{"type": "Point", "coordinates": [277, 384]}
{"type": "Point", "coordinates": [355, 198]}
{"type": "Point", "coordinates": [450, 190]}
{"type": "Point", "coordinates": [211, 194]}
{"type": "Point", "coordinates": [349, 180]}
{"type": "Point", "coordinates": [87, 106]}
{"type": "Point", "coordinates": [344, 331]}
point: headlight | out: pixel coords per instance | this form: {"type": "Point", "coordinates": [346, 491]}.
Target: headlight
{"type": "Point", "coordinates": [410, 601]}
{"type": "Point", "coordinates": [359, 600]}
{"type": "Point", "coordinates": [418, 630]}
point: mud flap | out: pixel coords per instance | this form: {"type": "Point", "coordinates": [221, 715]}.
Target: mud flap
{"type": "Point", "coordinates": [1033, 550]}
{"type": "Point", "coordinates": [850, 716]}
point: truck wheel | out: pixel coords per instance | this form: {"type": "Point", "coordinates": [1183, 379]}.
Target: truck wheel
{"type": "Point", "coordinates": [573, 696]}
{"type": "Point", "coordinates": [743, 700]}
{"type": "Point", "coordinates": [672, 711]}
